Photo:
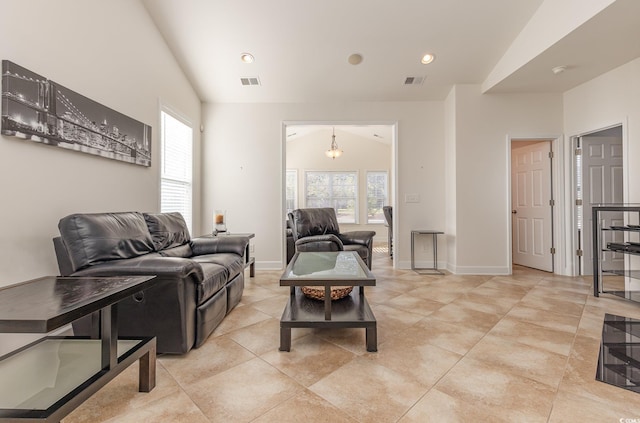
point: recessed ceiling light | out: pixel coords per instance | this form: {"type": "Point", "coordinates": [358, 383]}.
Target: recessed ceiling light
{"type": "Point", "coordinates": [355, 59]}
{"type": "Point", "coordinates": [558, 69]}
{"type": "Point", "coordinates": [427, 58]}
{"type": "Point", "coordinates": [246, 57]}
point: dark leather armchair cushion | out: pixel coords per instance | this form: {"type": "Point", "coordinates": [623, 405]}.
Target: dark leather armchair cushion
{"type": "Point", "coordinates": [328, 242]}
{"type": "Point", "coordinates": [309, 222]}
{"type": "Point", "coordinates": [167, 230]}
{"type": "Point", "coordinates": [98, 237]}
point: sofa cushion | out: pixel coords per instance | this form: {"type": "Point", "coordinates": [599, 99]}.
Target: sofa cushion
{"type": "Point", "coordinates": [232, 262]}
{"type": "Point", "coordinates": [214, 278]}
{"type": "Point", "coordinates": [167, 229]}
{"type": "Point", "coordinates": [98, 237]}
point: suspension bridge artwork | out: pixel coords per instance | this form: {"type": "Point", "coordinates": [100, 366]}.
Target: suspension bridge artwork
{"type": "Point", "coordinates": [37, 109]}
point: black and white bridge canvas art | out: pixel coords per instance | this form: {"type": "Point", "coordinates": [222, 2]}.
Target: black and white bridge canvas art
{"type": "Point", "coordinates": [37, 109]}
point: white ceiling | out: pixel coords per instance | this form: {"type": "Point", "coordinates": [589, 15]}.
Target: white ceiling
{"type": "Point", "coordinates": [301, 47]}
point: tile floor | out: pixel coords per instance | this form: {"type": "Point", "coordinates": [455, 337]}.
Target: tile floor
{"type": "Point", "coordinates": [520, 348]}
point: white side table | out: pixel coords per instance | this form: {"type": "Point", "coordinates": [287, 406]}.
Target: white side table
{"type": "Point", "coordinates": [434, 236]}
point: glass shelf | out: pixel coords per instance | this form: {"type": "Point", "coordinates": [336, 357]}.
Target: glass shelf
{"type": "Point", "coordinates": [36, 377]}
{"type": "Point", "coordinates": [619, 359]}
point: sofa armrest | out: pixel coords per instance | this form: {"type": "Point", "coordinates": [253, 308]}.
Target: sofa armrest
{"type": "Point", "coordinates": [328, 242]}
{"type": "Point", "coordinates": [160, 266]}
{"type": "Point", "coordinates": [219, 244]}
{"type": "Point", "coordinates": [358, 237]}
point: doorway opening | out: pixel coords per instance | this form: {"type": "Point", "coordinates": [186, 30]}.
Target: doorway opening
{"type": "Point", "coordinates": [357, 183]}
{"type": "Point", "coordinates": [598, 167]}
{"type": "Point", "coordinates": [532, 204]}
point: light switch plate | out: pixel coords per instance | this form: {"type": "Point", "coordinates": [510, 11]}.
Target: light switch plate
{"type": "Point", "coordinates": [412, 198]}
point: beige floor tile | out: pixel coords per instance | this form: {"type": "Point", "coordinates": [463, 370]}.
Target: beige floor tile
{"type": "Point", "coordinates": [240, 317]}
{"type": "Point", "coordinates": [216, 355]}
{"type": "Point", "coordinates": [410, 354]}
{"type": "Point", "coordinates": [544, 293]}
{"type": "Point", "coordinates": [512, 396]}
{"type": "Point", "coordinates": [368, 392]}
{"type": "Point", "coordinates": [453, 337]}
{"type": "Point", "coordinates": [579, 379]}
{"type": "Point", "coordinates": [414, 304]}
{"type": "Point", "coordinates": [555, 305]}
{"type": "Point", "coordinates": [309, 360]}
{"type": "Point", "coordinates": [547, 319]}
{"type": "Point", "coordinates": [533, 335]}
{"type": "Point", "coordinates": [438, 407]}
{"type": "Point", "coordinates": [175, 409]}
{"type": "Point", "coordinates": [273, 306]}
{"type": "Point", "coordinates": [484, 303]}
{"type": "Point", "coordinates": [462, 315]}
{"type": "Point", "coordinates": [242, 393]}
{"type": "Point", "coordinates": [575, 408]}
{"type": "Point", "coordinates": [262, 336]}
{"type": "Point", "coordinates": [305, 407]}
{"type": "Point", "coordinates": [350, 339]}
{"type": "Point", "coordinates": [121, 396]}
{"type": "Point", "coordinates": [527, 361]}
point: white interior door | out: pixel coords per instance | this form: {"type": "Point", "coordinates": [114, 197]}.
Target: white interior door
{"type": "Point", "coordinates": [601, 184]}
{"type": "Point", "coordinates": [531, 206]}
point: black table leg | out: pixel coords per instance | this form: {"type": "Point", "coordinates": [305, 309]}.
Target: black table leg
{"type": "Point", "coordinates": [372, 338]}
{"type": "Point", "coordinates": [109, 336]}
{"type": "Point", "coordinates": [285, 338]}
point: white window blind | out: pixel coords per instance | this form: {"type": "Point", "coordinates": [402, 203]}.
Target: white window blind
{"type": "Point", "coordinates": [177, 163]}
{"type": "Point", "coordinates": [292, 190]}
{"type": "Point", "coordinates": [338, 190]}
{"type": "Point", "coordinates": [377, 197]}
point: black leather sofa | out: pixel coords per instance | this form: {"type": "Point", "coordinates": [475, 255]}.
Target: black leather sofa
{"type": "Point", "coordinates": [198, 281]}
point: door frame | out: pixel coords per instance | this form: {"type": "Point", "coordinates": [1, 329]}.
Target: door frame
{"type": "Point", "coordinates": [572, 259]}
{"type": "Point", "coordinates": [557, 223]}
{"type": "Point", "coordinates": [393, 195]}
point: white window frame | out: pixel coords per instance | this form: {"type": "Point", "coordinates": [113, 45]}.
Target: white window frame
{"type": "Point", "coordinates": [385, 200]}
{"type": "Point", "coordinates": [182, 179]}
{"type": "Point", "coordinates": [356, 197]}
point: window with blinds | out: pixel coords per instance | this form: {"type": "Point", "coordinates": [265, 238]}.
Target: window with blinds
{"type": "Point", "coordinates": [338, 190]}
{"type": "Point", "coordinates": [176, 176]}
{"type": "Point", "coordinates": [377, 196]}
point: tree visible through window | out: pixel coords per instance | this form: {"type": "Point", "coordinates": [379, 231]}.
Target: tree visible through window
{"type": "Point", "coordinates": [176, 177]}
{"type": "Point", "coordinates": [338, 190]}
{"type": "Point", "coordinates": [377, 189]}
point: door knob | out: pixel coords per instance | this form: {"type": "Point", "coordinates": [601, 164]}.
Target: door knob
{"type": "Point", "coordinates": [514, 211]}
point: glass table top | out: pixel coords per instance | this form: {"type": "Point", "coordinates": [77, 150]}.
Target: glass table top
{"type": "Point", "coordinates": [330, 265]}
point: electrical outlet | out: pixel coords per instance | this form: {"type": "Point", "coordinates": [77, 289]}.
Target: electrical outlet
{"type": "Point", "coordinates": [412, 198]}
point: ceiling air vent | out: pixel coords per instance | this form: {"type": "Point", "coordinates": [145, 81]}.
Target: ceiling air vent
{"type": "Point", "coordinates": [414, 80]}
{"type": "Point", "coordinates": [250, 81]}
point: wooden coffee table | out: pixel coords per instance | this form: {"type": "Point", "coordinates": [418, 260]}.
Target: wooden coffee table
{"type": "Point", "coordinates": [327, 269]}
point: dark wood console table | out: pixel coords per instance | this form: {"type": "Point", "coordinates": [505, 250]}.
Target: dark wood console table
{"type": "Point", "coordinates": [50, 377]}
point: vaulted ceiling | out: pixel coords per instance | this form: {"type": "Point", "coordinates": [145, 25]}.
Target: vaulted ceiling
{"type": "Point", "coordinates": [301, 47]}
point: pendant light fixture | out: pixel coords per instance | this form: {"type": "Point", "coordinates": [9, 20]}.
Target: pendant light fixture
{"type": "Point", "coordinates": [334, 151]}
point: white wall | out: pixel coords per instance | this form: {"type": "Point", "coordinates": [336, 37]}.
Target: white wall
{"type": "Point", "coordinates": [482, 125]}
{"type": "Point", "coordinates": [111, 52]}
{"type": "Point", "coordinates": [361, 155]}
{"type": "Point", "coordinates": [243, 152]}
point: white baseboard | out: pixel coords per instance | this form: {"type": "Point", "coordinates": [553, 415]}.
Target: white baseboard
{"type": "Point", "coordinates": [480, 270]}
{"type": "Point", "coordinates": [269, 265]}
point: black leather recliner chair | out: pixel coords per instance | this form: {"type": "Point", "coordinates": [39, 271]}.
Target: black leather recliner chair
{"type": "Point", "coordinates": [318, 230]}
